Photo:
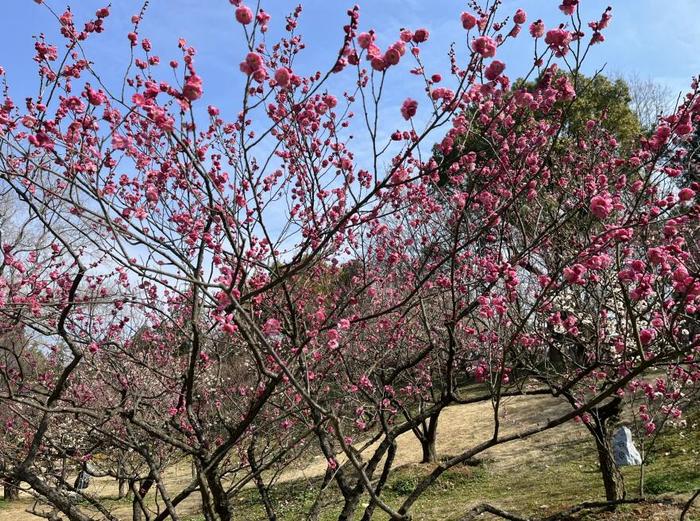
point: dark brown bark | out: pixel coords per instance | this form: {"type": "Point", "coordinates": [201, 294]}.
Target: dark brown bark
{"type": "Point", "coordinates": [612, 477]}
{"type": "Point", "coordinates": [122, 481]}
{"type": "Point", "coordinates": [55, 498]}
{"type": "Point", "coordinates": [369, 511]}
{"type": "Point", "coordinates": [428, 441]}
{"type": "Point", "coordinates": [207, 504]}
{"type": "Point", "coordinates": [218, 496]}
{"type": "Point", "coordinates": [689, 504]}
{"type": "Point", "coordinates": [427, 437]}
{"type": "Point", "coordinates": [139, 492]}
{"type": "Point", "coordinates": [613, 481]}
{"type": "Point", "coordinates": [10, 489]}
{"type": "Point", "coordinates": [260, 484]}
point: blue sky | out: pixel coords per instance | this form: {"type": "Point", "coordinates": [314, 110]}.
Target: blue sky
{"type": "Point", "coordinates": [653, 38]}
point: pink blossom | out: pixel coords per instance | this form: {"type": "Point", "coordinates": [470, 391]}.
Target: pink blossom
{"type": "Point", "coordinates": [494, 70]}
{"type": "Point", "coordinates": [244, 15]}
{"type": "Point", "coordinates": [601, 206]}
{"type": "Point", "coordinates": [647, 336]}
{"type": "Point", "coordinates": [574, 274]}
{"type": "Point", "coordinates": [442, 93]}
{"type": "Point", "coordinates": [378, 64]}
{"type": "Point", "coordinates": [373, 52]}
{"type": "Point", "coordinates": [392, 57]}
{"type": "Point", "coordinates": [686, 194]}
{"type": "Point", "coordinates": [468, 20]}
{"type": "Point", "coordinates": [41, 139]}
{"type": "Point", "coordinates": [409, 108]}
{"type": "Point", "coordinates": [399, 46]}
{"type": "Point", "coordinates": [485, 46]}
{"type": "Point", "coordinates": [558, 40]}
{"type": "Point", "coordinates": [120, 142]}
{"type": "Point", "coordinates": [272, 327]}
{"type": "Point", "coordinates": [364, 40]}
{"type": "Point", "coordinates": [520, 17]}
{"type": "Point", "coordinates": [656, 255]}
{"type": "Point", "coordinates": [95, 97]}
{"type": "Point", "coordinates": [282, 76]}
{"type": "Point", "coordinates": [568, 6]}
{"type": "Point", "coordinates": [366, 383]}
{"type": "Point", "coordinates": [263, 19]}
{"type": "Point", "coordinates": [252, 64]}
{"type": "Point", "coordinates": [421, 35]}
{"type": "Point", "coordinates": [537, 29]}
{"type": "Point", "coordinates": [193, 88]}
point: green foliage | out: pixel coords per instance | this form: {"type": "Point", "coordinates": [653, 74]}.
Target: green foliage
{"type": "Point", "coordinates": [403, 486]}
{"type": "Point", "coordinates": [598, 98]}
{"type": "Point", "coordinates": [608, 101]}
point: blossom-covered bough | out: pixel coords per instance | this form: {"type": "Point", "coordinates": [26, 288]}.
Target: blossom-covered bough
{"type": "Point", "coordinates": [244, 292]}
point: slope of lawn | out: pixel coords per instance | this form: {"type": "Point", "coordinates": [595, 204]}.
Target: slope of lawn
{"type": "Point", "coordinates": [534, 477]}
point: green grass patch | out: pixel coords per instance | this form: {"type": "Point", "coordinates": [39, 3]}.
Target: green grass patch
{"type": "Point", "coordinates": [565, 475]}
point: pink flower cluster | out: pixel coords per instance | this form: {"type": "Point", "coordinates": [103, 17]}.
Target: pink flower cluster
{"type": "Point", "coordinates": [244, 15]}
{"type": "Point", "coordinates": [380, 62]}
{"type": "Point", "coordinates": [494, 70]}
{"type": "Point", "coordinates": [193, 88]}
{"type": "Point", "coordinates": [601, 206]}
{"type": "Point", "coordinates": [409, 108]}
{"type": "Point", "coordinates": [254, 66]}
{"type": "Point", "coordinates": [558, 40]}
{"type": "Point", "coordinates": [485, 46]}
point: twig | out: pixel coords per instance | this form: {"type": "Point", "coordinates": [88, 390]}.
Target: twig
{"type": "Point", "coordinates": [689, 504]}
{"type": "Point", "coordinates": [485, 507]}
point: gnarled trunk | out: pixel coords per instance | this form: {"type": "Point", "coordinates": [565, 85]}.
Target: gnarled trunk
{"type": "Point", "coordinates": [613, 480]}
{"type": "Point", "coordinates": [427, 435]}
{"type": "Point", "coordinates": [10, 489]}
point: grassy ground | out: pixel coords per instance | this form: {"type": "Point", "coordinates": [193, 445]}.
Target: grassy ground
{"type": "Point", "coordinates": [534, 477]}
{"type": "Point", "coordinates": [535, 487]}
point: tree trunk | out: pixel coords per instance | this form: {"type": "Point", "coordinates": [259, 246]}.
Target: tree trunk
{"type": "Point", "coordinates": [10, 489]}
{"type": "Point", "coordinates": [427, 439]}
{"type": "Point", "coordinates": [601, 418]}
{"type": "Point", "coordinates": [369, 511]}
{"type": "Point", "coordinates": [122, 482]}
{"type": "Point", "coordinates": [260, 483]}
{"type": "Point", "coordinates": [349, 507]}
{"type": "Point", "coordinates": [219, 498]}
{"type": "Point", "coordinates": [612, 477]}
{"type": "Point", "coordinates": [140, 489]}
{"type": "Point", "coordinates": [123, 487]}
